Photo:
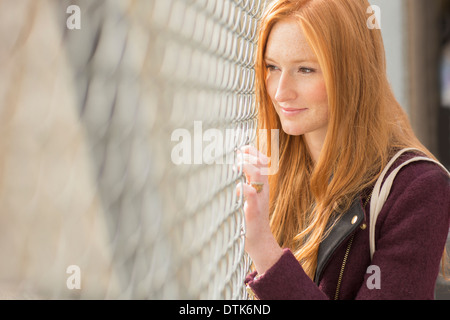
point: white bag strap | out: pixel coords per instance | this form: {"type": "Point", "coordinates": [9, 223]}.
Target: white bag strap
{"type": "Point", "coordinates": [379, 195]}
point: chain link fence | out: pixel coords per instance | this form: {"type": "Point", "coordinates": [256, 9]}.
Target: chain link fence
{"type": "Point", "coordinates": [117, 145]}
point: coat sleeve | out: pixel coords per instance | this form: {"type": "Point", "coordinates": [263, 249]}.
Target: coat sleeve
{"type": "Point", "coordinates": [286, 280]}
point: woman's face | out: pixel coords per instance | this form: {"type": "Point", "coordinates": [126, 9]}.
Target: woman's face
{"type": "Point", "coordinates": [295, 82]}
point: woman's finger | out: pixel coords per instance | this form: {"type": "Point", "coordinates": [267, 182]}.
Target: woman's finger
{"type": "Point", "coordinates": [252, 159]}
{"type": "Point", "coordinates": [256, 153]}
{"type": "Point", "coordinates": [251, 172]}
{"type": "Point", "coordinates": [249, 193]}
{"type": "Point", "coordinates": [251, 167]}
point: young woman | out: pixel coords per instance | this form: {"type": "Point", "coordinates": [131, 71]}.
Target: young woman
{"type": "Point", "coordinates": [321, 80]}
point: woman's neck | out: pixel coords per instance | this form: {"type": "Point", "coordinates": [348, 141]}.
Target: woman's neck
{"type": "Point", "coordinates": [314, 141]}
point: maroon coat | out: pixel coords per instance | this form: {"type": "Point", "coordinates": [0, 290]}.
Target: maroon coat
{"type": "Point", "coordinates": [411, 232]}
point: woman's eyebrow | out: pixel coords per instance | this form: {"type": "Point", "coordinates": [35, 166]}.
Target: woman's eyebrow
{"type": "Point", "coordinates": [269, 58]}
{"type": "Point", "coordinates": [302, 60]}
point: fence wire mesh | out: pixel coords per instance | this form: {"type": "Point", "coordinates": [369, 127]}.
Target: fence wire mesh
{"type": "Point", "coordinates": [98, 196]}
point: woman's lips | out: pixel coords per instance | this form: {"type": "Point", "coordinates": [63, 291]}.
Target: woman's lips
{"type": "Point", "coordinates": [291, 111]}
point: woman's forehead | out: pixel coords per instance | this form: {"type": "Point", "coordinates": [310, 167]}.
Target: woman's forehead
{"type": "Point", "coordinates": [287, 41]}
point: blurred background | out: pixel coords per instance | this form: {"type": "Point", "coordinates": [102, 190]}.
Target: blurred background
{"type": "Point", "coordinates": [91, 173]}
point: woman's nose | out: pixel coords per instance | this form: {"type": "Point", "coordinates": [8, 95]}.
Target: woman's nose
{"type": "Point", "coordinates": [286, 89]}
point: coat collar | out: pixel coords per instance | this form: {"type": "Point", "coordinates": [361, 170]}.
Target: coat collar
{"type": "Point", "coordinates": [343, 228]}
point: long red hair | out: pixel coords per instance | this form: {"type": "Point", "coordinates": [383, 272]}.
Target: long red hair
{"type": "Point", "coordinates": [366, 123]}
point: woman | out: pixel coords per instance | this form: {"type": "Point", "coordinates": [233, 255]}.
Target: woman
{"type": "Point", "coordinates": [321, 80]}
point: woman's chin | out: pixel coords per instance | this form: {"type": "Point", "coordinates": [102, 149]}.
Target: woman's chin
{"type": "Point", "coordinates": [292, 131]}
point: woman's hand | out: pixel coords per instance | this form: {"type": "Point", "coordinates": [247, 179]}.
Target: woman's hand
{"type": "Point", "coordinates": [260, 243]}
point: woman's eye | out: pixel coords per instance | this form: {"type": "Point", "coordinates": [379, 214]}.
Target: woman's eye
{"type": "Point", "coordinates": [271, 67]}
{"type": "Point", "coordinates": [306, 70]}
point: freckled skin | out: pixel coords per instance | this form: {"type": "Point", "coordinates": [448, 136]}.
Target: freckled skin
{"type": "Point", "coordinates": [295, 81]}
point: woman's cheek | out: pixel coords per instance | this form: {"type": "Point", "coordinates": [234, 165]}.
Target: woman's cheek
{"type": "Point", "coordinates": [315, 92]}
